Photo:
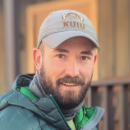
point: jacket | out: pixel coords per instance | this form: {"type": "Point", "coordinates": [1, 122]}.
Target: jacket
{"type": "Point", "coordinates": [22, 110]}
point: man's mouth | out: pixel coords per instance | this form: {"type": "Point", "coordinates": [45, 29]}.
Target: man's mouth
{"type": "Point", "coordinates": [70, 81]}
{"type": "Point", "coordinates": [69, 84]}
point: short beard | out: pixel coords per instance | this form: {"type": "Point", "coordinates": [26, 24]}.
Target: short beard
{"type": "Point", "coordinates": [70, 100]}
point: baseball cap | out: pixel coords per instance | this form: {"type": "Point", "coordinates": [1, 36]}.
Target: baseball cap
{"type": "Point", "coordinates": [64, 24]}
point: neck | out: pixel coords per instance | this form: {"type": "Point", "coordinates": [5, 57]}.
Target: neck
{"type": "Point", "coordinates": [36, 88]}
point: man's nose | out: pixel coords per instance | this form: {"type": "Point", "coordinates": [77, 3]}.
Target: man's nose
{"type": "Point", "coordinates": [72, 69]}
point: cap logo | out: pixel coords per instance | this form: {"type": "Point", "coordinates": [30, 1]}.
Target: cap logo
{"type": "Point", "coordinates": [72, 16]}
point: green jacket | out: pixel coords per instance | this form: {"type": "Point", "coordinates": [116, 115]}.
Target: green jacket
{"type": "Point", "coordinates": [21, 110]}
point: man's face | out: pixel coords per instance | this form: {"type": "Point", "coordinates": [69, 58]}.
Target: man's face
{"type": "Point", "coordinates": [66, 71]}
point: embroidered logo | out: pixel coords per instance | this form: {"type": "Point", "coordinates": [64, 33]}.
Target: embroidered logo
{"type": "Point", "coordinates": [72, 16]}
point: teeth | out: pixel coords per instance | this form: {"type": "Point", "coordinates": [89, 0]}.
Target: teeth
{"type": "Point", "coordinates": [69, 84]}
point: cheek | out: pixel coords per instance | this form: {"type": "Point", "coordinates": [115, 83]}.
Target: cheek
{"type": "Point", "coordinates": [86, 70]}
{"type": "Point", "coordinates": [54, 69]}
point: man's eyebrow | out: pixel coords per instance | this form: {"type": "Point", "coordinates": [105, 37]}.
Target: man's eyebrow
{"type": "Point", "coordinates": [87, 52]}
{"type": "Point", "coordinates": [61, 50]}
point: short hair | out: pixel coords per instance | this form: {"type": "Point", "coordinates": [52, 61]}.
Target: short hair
{"type": "Point", "coordinates": [41, 47]}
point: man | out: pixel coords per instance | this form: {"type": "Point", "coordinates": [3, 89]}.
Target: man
{"type": "Point", "coordinates": [53, 98]}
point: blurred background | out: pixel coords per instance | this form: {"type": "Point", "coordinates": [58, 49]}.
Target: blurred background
{"type": "Point", "coordinates": [20, 21]}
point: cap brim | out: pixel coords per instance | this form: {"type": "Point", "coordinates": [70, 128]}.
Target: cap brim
{"type": "Point", "coordinates": [55, 39]}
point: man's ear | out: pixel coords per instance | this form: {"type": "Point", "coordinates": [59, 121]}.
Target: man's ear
{"type": "Point", "coordinates": [95, 58]}
{"type": "Point", "coordinates": [37, 57]}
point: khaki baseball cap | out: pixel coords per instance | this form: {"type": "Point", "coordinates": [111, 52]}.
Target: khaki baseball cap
{"type": "Point", "coordinates": [64, 24]}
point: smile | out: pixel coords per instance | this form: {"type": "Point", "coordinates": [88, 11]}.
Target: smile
{"type": "Point", "coordinates": [69, 84]}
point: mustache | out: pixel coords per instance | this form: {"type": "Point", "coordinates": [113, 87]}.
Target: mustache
{"type": "Point", "coordinates": [68, 79]}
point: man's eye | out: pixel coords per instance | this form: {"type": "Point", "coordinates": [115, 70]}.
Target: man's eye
{"type": "Point", "coordinates": [84, 57]}
{"type": "Point", "coordinates": [61, 56]}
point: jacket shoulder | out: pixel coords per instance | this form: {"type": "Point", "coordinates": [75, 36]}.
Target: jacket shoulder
{"type": "Point", "coordinates": [15, 117]}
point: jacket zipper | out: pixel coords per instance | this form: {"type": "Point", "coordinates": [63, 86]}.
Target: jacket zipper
{"type": "Point", "coordinates": [59, 111]}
